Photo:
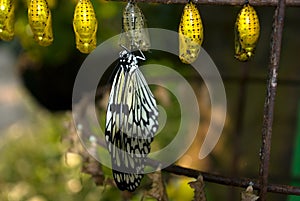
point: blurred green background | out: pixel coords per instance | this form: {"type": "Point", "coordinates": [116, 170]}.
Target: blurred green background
{"type": "Point", "coordinates": [35, 99]}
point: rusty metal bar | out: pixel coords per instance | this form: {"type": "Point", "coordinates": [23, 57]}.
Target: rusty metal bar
{"type": "Point", "coordinates": [222, 2]}
{"type": "Point", "coordinates": [240, 113]}
{"type": "Point", "coordinates": [239, 123]}
{"type": "Point", "coordinates": [231, 181]}
{"type": "Point", "coordinates": [224, 180]}
{"type": "Point", "coordinates": [270, 98]}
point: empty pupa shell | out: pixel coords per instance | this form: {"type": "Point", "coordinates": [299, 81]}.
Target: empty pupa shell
{"type": "Point", "coordinates": [135, 30]}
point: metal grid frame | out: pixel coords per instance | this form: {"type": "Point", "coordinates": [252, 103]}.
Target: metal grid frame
{"type": "Point", "coordinates": [261, 183]}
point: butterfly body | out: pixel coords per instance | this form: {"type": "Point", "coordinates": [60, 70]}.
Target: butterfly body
{"type": "Point", "coordinates": [40, 20]}
{"type": "Point", "coordinates": [131, 122]}
{"type": "Point", "coordinates": [247, 30]}
{"type": "Point", "coordinates": [190, 34]}
{"type": "Point", "coordinates": [85, 26]}
{"type": "Point", "coordinates": [7, 19]}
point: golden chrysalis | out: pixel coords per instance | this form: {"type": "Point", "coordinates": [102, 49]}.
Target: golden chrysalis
{"type": "Point", "coordinates": [40, 21]}
{"type": "Point", "coordinates": [190, 34]}
{"type": "Point", "coordinates": [247, 31]}
{"type": "Point", "coordinates": [7, 19]}
{"type": "Point", "coordinates": [85, 26]}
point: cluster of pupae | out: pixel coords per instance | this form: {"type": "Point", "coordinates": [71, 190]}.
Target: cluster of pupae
{"type": "Point", "coordinates": [247, 28]}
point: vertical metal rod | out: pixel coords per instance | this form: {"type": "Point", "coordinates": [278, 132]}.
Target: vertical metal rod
{"type": "Point", "coordinates": [270, 98]}
{"type": "Point", "coordinates": [240, 114]}
{"type": "Point", "coordinates": [240, 111]}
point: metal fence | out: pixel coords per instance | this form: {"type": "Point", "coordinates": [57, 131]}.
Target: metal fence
{"type": "Point", "coordinates": [261, 183]}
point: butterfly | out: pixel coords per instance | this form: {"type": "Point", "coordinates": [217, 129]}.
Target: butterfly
{"type": "Point", "coordinates": [131, 121]}
{"type": "Point", "coordinates": [134, 26]}
{"type": "Point", "coordinates": [190, 33]}
{"type": "Point", "coordinates": [7, 19]}
{"type": "Point", "coordinates": [40, 21]}
{"type": "Point", "coordinates": [85, 26]}
{"type": "Point", "coordinates": [247, 30]}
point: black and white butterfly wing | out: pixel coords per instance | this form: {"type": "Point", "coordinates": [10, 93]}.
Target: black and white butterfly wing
{"type": "Point", "coordinates": [131, 123]}
{"type": "Point", "coordinates": [146, 112]}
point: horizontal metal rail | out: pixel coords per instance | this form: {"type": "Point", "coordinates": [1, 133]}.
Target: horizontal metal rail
{"type": "Point", "coordinates": [222, 2]}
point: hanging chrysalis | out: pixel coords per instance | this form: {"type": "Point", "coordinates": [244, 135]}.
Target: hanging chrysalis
{"type": "Point", "coordinates": [135, 28]}
{"type": "Point", "coordinates": [7, 19]}
{"type": "Point", "coordinates": [190, 34]}
{"type": "Point", "coordinates": [246, 33]}
{"type": "Point", "coordinates": [39, 16]}
{"type": "Point", "coordinates": [85, 26]}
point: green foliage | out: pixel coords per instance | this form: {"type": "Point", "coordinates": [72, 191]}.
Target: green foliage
{"type": "Point", "coordinates": [33, 164]}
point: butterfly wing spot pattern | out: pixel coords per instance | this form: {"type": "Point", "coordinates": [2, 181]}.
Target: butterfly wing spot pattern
{"type": "Point", "coordinates": [40, 20]}
{"type": "Point", "coordinates": [7, 19]}
{"type": "Point", "coordinates": [247, 30]}
{"type": "Point", "coordinates": [85, 26]}
{"type": "Point", "coordinates": [135, 30]}
{"type": "Point", "coordinates": [190, 34]}
{"type": "Point", "coordinates": [131, 122]}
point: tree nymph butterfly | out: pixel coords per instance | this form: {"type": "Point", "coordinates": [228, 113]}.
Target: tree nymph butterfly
{"type": "Point", "coordinates": [131, 121]}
